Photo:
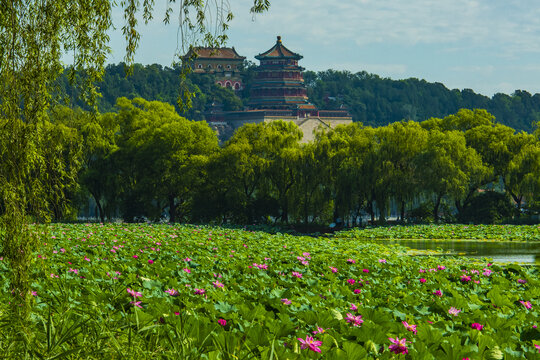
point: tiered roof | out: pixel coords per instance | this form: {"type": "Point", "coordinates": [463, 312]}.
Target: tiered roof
{"type": "Point", "coordinates": [278, 51]}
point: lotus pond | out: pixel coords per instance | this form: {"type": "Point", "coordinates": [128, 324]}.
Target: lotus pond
{"type": "Point", "coordinates": [118, 291]}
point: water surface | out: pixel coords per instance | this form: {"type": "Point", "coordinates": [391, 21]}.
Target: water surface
{"type": "Point", "coordinates": [502, 252]}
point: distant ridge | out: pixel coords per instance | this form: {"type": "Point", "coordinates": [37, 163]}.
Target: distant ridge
{"type": "Point", "coordinates": [370, 99]}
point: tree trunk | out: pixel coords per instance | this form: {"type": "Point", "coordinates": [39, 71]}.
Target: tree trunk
{"type": "Point", "coordinates": [172, 209]}
{"type": "Point", "coordinates": [518, 204]}
{"type": "Point", "coordinates": [99, 207]}
{"type": "Point", "coordinates": [436, 208]}
{"type": "Point", "coordinates": [371, 212]}
{"type": "Point", "coordinates": [402, 212]}
{"type": "Point", "coordinates": [382, 214]}
{"type": "Point", "coordinates": [518, 199]}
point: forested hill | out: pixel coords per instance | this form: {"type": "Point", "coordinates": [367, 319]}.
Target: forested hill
{"type": "Point", "coordinates": [370, 99]}
{"type": "Point", "coordinates": [376, 101]}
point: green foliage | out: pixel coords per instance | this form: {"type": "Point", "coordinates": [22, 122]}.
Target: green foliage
{"type": "Point", "coordinates": [85, 311]}
{"type": "Point", "coordinates": [488, 207]}
{"type": "Point", "coordinates": [147, 161]}
{"type": "Point", "coordinates": [371, 100]}
{"type": "Point", "coordinates": [377, 101]}
{"type": "Point", "coordinates": [156, 83]}
{"type": "Point", "coordinates": [34, 35]}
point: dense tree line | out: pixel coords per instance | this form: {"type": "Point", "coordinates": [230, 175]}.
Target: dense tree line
{"type": "Point", "coordinates": [153, 82]}
{"type": "Point", "coordinates": [146, 161]}
{"type": "Point", "coordinates": [370, 99]}
{"type": "Point", "coordinates": [379, 101]}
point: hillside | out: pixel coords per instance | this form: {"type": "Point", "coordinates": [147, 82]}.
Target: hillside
{"type": "Point", "coordinates": [370, 99]}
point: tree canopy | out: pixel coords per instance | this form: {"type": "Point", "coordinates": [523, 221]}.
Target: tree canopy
{"type": "Point", "coordinates": [33, 37]}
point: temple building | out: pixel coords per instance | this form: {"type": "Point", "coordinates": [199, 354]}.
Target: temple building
{"type": "Point", "coordinates": [278, 92]}
{"type": "Point", "coordinates": [279, 83]}
{"type": "Point", "coordinates": [224, 63]}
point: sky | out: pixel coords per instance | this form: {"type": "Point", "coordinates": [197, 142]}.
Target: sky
{"type": "Point", "coordinates": [489, 46]}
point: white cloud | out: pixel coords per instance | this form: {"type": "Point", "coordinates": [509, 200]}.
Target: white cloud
{"type": "Point", "coordinates": [482, 69]}
{"type": "Point", "coordinates": [514, 24]}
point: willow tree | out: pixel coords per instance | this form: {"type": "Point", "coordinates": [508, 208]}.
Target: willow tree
{"type": "Point", "coordinates": [34, 35]}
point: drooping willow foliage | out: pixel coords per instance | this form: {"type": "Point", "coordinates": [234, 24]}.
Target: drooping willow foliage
{"type": "Point", "coordinates": [33, 37]}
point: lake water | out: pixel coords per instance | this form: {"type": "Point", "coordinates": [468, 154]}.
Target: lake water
{"type": "Point", "coordinates": [502, 252]}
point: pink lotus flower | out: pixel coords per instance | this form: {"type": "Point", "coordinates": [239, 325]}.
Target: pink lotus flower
{"type": "Point", "coordinates": [135, 257]}
{"type": "Point", "coordinates": [538, 347]}
{"type": "Point", "coordinates": [527, 304]}
{"type": "Point", "coordinates": [521, 281]}
{"type": "Point", "coordinates": [187, 259]}
{"type": "Point", "coordinates": [477, 326]}
{"type": "Point", "coordinates": [150, 261]}
{"type": "Point", "coordinates": [465, 278]}
{"type": "Point", "coordinates": [382, 261]}
{"type": "Point", "coordinates": [310, 343]}
{"type": "Point", "coordinates": [333, 269]}
{"type": "Point", "coordinates": [440, 267]}
{"type": "Point", "coordinates": [365, 270]}
{"type": "Point", "coordinates": [76, 271]}
{"type": "Point", "coordinates": [422, 280]}
{"type": "Point", "coordinates": [351, 281]}
{"type": "Point", "coordinates": [136, 303]}
{"type": "Point", "coordinates": [353, 307]}
{"type": "Point", "coordinates": [199, 291]}
{"type": "Point", "coordinates": [409, 327]}
{"type": "Point", "coordinates": [319, 330]}
{"type": "Point", "coordinates": [398, 346]}
{"type": "Point", "coordinates": [217, 284]}
{"type": "Point", "coordinates": [454, 311]}
{"type": "Point", "coordinates": [356, 320]}
{"type": "Point", "coordinates": [297, 274]}
{"type": "Point", "coordinates": [357, 291]}
{"type": "Point", "coordinates": [133, 293]}
{"type": "Point", "coordinates": [487, 272]}
{"type": "Point", "coordinates": [187, 270]}
{"type": "Point", "coordinates": [172, 292]}
{"type": "Point", "coordinates": [222, 322]}
{"type": "Point", "coordinates": [34, 293]}
{"type": "Point", "coordinates": [286, 301]}
{"type": "Point", "coordinates": [438, 293]}
{"type": "Point", "coordinates": [351, 261]}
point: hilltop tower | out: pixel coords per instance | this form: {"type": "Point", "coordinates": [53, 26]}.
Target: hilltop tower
{"type": "Point", "coordinates": [278, 92]}
{"type": "Point", "coordinates": [279, 83]}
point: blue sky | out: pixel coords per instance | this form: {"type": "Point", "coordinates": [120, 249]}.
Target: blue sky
{"type": "Point", "coordinates": [489, 46]}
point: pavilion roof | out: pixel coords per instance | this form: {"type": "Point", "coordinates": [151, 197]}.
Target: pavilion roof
{"type": "Point", "coordinates": [278, 51]}
{"type": "Point", "coordinates": [216, 53]}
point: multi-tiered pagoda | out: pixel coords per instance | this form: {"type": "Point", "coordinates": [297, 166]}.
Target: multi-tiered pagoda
{"type": "Point", "coordinates": [278, 93]}
{"type": "Point", "coordinates": [279, 83]}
